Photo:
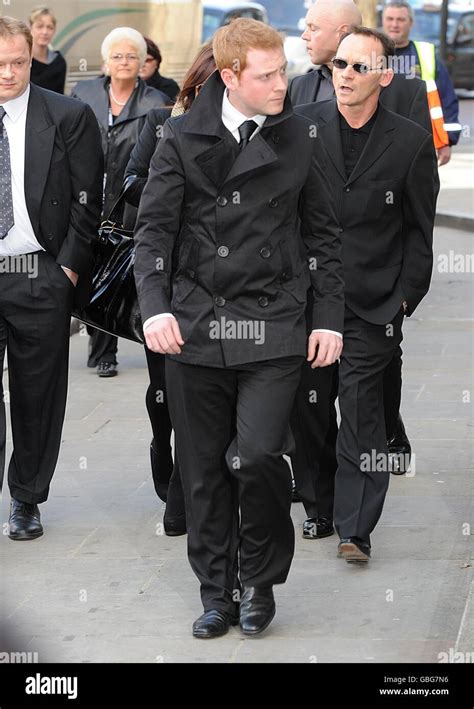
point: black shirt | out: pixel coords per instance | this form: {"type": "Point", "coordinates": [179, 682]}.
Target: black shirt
{"type": "Point", "coordinates": [50, 76]}
{"type": "Point", "coordinates": [353, 141]}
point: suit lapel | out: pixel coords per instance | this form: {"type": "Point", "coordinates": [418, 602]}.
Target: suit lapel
{"type": "Point", "coordinates": [328, 120]}
{"type": "Point", "coordinates": [380, 138]}
{"type": "Point", "coordinates": [311, 86]}
{"type": "Point", "coordinates": [39, 145]}
{"type": "Point", "coordinates": [257, 153]}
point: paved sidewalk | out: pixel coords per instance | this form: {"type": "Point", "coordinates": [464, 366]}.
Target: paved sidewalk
{"type": "Point", "coordinates": [456, 198]}
{"type": "Point", "coordinates": [104, 583]}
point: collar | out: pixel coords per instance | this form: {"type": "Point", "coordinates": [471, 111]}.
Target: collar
{"type": "Point", "coordinates": [366, 128]}
{"type": "Point", "coordinates": [17, 106]}
{"type": "Point", "coordinates": [325, 72]}
{"type": "Point", "coordinates": [232, 118]}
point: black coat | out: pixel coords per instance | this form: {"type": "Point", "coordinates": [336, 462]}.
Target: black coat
{"type": "Point", "coordinates": [407, 97]}
{"type": "Point", "coordinates": [63, 180]}
{"type": "Point", "coordinates": [118, 140]}
{"type": "Point", "coordinates": [136, 172]}
{"type": "Point", "coordinates": [236, 217]}
{"type": "Point", "coordinates": [386, 211]}
{"type": "Point", "coordinates": [164, 84]}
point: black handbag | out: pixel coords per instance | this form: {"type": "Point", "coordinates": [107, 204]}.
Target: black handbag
{"type": "Point", "coordinates": [113, 304]}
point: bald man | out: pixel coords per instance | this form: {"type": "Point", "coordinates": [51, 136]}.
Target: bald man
{"type": "Point", "coordinates": [314, 422]}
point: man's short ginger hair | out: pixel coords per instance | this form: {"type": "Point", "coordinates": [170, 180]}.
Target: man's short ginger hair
{"type": "Point", "coordinates": [232, 42]}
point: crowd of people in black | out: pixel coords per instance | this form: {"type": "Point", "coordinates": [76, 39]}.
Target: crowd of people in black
{"type": "Point", "coordinates": [295, 221]}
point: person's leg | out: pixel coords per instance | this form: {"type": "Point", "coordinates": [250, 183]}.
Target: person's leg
{"type": "Point", "coordinates": [202, 402]}
{"type": "Point", "coordinates": [38, 313]}
{"type": "Point", "coordinates": [362, 476]}
{"type": "Point", "coordinates": [102, 350]}
{"type": "Point", "coordinates": [392, 392]}
{"type": "Point", "coordinates": [314, 427]}
{"type": "Point", "coordinates": [266, 393]}
{"type": "Point", "coordinates": [157, 406]}
{"type": "Point", "coordinates": [3, 422]}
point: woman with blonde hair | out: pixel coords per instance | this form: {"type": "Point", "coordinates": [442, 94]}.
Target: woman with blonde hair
{"type": "Point", "coordinates": [121, 101]}
{"type": "Point", "coordinates": [48, 67]}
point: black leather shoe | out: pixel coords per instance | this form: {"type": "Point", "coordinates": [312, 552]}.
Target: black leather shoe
{"type": "Point", "coordinates": [212, 624]}
{"type": "Point", "coordinates": [317, 528]}
{"type": "Point", "coordinates": [107, 369]}
{"type": "Point", "coordinates": [24, 521]}
{"type": "Point", "coordinates": [353, 549]}
{"type": "Point", "coordinates": [399, 450]}
{"type": "Point", "coordinates": [294, 493]}
{"type": "Point", "coordinates": [174, 526]}
{"type": "Point", "coordinates": [257, 609]}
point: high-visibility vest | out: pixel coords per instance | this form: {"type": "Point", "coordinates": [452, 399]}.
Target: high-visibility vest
{"type": "Point", "coordinates": [427, 56]}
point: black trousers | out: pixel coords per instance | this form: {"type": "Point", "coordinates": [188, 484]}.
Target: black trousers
{"type": "Point", "coordinates": [314, 426]}
{"type": "Point", "coordinates": [35, 316]}
{"type": "Point", "coordinates": [232, 430]}
{"type": "Point", "coordinates": [102, 347]}
{"type": "Point", "coordinates": [363, 471]}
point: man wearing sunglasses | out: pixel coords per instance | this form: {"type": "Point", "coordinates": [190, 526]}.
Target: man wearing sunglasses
{"type": "Point", "coordinates": [314, 422]}
{"type": "Point", "coordinates": [382, 172]}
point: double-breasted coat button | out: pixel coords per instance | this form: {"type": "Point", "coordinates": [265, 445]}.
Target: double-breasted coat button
{"type": "Point", "coordinates": [273, 202]}
{"type": "Point", "coordinates": [265, 252]}
{"type": "Point", "coordinates": [221, 201]}
{"type": "Point", "coordinates": [55, 202]}
{"type": "Point", "coordinates": [341, 229]}
{"type": "Point", "coordinates": [223, 251]}
{"type": "Point", "coordinates": [347, 189]}
{"type": "Point", "coordinates": [275, 137]}
{"type": "Point", "coordinates": [219, 301]}
{"type": "Point", "coordinates": [263, 301]}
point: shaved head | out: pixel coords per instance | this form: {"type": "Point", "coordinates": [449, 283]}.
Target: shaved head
{"type": "Point", "coordinates": [326, 22]}
{"type": "Point", "coordinates": [337, 11]}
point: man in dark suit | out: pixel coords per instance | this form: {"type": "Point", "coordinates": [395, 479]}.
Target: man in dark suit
{"type": "Point", "coordinates": [382, 169]}
{"type": "Point", "coordinates": [228, 184]}
{"type": "Point", "coordinates": [50, 201]}
{"type": "Point", "coordinates": [314, 422]}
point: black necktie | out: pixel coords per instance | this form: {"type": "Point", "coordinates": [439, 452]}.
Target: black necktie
{"type": "Point", "coordinates": [245, 131]}
{"type": "Point", "coordinates": [6, 198]}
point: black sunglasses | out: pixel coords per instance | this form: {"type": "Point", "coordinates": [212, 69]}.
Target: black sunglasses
{"type": "Point", "coordinates": [358, 67]}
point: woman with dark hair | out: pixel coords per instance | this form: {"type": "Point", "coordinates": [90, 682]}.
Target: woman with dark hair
{"type": "Point", "coordinates": [167, 480]}
{"type": "Point", "coordinates": [150, 72]}
{"type": "Point", "coordinates": [48, 67]}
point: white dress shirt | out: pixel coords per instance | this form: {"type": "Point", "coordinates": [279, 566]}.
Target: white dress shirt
{"type": "Point", "coordinates": [21, 238]}
{"type": "Point", "coordinates": [232, 118]}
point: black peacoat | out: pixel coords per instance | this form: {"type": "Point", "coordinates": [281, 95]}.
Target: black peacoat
{"type": "Point", "coordinates": [243, 254]}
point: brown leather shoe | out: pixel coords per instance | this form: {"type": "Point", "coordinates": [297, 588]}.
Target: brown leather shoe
{"type": "Point", "coordinates": [353, 549]}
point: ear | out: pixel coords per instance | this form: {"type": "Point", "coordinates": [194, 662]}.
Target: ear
{"type": "Point", "coordinates": [342, 29]}
{"type": "Point", "coordinates": [386, 77]}
{"type": "Point", "coordinates": [230, 79]}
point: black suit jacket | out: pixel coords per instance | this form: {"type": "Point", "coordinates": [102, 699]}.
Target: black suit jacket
{"type": "Point", "coordinates": [236, 218]}
{"type": "Point", "coordinates": [407, 97]}
{"type": "Point", "coordinates": [386, 211]}
{"type": "Point", "coordinates": [63, 180]}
